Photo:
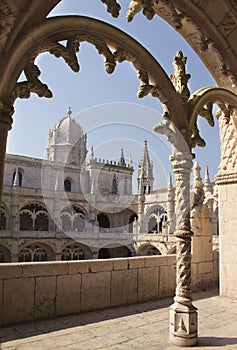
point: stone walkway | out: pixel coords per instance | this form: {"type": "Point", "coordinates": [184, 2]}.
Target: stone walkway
{"type": "Point", "coordinates": [140, 326]}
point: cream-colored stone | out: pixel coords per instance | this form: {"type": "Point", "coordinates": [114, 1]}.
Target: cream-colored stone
{"type": "Point", "coordinates": [68, 294]}
{"type": "Point", "coordinates": [120, 264]}
{"type": "Point", "coordinates": [44, 269]}
{"type": "Point", "coordinates": [124, 287]}
{"type": "Point", "coordinates": [95, 291]}
{"type": "Point", "coordinates": [10, 270]}
{"type": "Point", "coordinates": [100, 265]}
{"type": "Point", "coordinates": [18, 300]}
{"type": "Point", "coordinates": [45, 292]}
{"type": "Point", "coordinates": [78, 267]}
{"type": "Point", "coordinates": [157, 260]}
{"type": "Point", "coordinates": [136, 262]}
{"type": "Point", "coordinates": [205, 267]}
{"type": "Point", "coordinates": [167, 280]}
{"type": "Point", "coordinates": [148, 283]}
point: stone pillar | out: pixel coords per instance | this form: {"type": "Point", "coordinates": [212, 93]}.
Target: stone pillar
{"type": "Point", "coordinates": [183, 315]}
{"type": "Point", "coordinates": [5, 125]}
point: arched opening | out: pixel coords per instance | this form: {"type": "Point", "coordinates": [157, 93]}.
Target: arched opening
{"type": "Point", "coordinates": [118, 251]}
{"type": "Point", "coordinates": [103, 220]}
{"type": "Point", "coordinates": [148, 249]}
{"type": "Point", "coordinates": [75, 251]}
{"type": "Point", "coordinates": [73, 219]}
{"type": "Point", "coordinates": [3, 219]}
{"type": "Point", "coordinates": [17, 178]}
{"type": "Point", "coordinates": [132, 218]}
{"type": "Point", "coordinates": [5, 255]}
{"type": "Point", "coordinates": [34, 217]}
{"type": "Point", "coordinates": [67, 185]}
{"type": "Point", "coordinates": [35, 252]}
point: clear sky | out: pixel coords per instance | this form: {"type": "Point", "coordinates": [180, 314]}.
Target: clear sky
{"type": "Point", "coordinates": [106, 105]}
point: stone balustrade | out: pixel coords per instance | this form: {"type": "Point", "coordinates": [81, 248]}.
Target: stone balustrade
{"type": "Point", "coordinates": [41, 290]}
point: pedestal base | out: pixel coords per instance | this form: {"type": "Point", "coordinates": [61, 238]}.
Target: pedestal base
{"type": "Point", "coordinates": [183, 324]}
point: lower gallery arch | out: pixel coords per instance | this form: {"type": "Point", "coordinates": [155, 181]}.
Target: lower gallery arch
{"type": "Point", "coordinates": [115, 250]}
{"type": "Point", "coordinates": [75, 251]}
{"type": "Point", "coordinates": [36, 251]}
{"type": "Point", "coordinates": [148, 249]}
{"type": "Point", "coordinates": [5, 255]}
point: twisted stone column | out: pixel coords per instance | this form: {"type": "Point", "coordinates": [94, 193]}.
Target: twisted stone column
{"type": "Point", "coordinates": [183, 315]}
{"type": "Point", "coordinates": [5, 125]}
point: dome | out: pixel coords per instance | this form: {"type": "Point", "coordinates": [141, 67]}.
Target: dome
{"type": "Point", "coordinates": [66, 131]}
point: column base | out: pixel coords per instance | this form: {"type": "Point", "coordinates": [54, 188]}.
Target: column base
{"type": "Point", "coordinates": [183, 324]}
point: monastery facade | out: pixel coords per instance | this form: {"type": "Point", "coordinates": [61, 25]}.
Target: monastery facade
{"type": "Point", "coordinates": [68, 207]}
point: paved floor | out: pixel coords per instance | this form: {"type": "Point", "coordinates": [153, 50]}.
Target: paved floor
{"type": "Point", "coordinates": [140, 326]}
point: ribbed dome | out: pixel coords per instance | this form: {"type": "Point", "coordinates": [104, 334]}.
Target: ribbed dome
{"type": "Point", "coordinates": [66, 131]}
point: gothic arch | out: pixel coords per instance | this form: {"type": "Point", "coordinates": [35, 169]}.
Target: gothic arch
{"type": "Point", "coordinates": [76, 251]}
{"type": "Point", "coordinates": [5, 254]}
{"type": "Point", "coordinates": [73, 218]}
{"type": "Point", "coordinates": [36, 251]}
{"type": "Point", "coordinates": [148, 249]}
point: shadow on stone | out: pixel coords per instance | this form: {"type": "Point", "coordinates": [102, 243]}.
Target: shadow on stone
{"type": "Point", "coordinates": [216, 341]}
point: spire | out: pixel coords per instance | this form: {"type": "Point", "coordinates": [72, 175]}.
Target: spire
{"type": "Point", "coordinates": [207, 183]}
{"type": "Point", "coordinates": [130, 161]}
{"type": "Point", "coordinates": [170, 190]}
{"type": "Point", "coordinates": [92, 153]}
{"type": "Point", "coordinates": [121, 159]}
{"type": "Point", "coordinates": [145, 170]}
{"type": "Point", "coordinates": [69, 113]}
{"type": "Point", "coordinates": [16, 182]}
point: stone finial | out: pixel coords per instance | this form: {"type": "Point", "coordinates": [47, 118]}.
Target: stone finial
{"type": "Point", "coordinates": [16, 182]}
{"type": "Point", "coordinates": [180, 78]}
{"type": "Point", "coordinates": [208, 189]}
{"type": "Point", "coordinates": [140, 190]}
{"type": "Point", "coordinates": [170, 190]}
{"type": "Point", "coordinates": [92, 153]}
{"type": "Point", "coordinates": [93, 185]}
{"type": "Point", "coordinates": [122, 159]}
{"type": "Point", "coordinates": [69, 112]}
{"type": "Point", "coordinates": [57, 185]}
{"type": "Point", "coordinates": [197, 192]}
{"type": "Point", "coordinates": [130, 161]}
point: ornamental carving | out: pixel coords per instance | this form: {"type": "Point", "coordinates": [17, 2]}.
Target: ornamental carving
{"type": "Point", "coordinates": [7, 20]}
{"type": "Point", "coordinates": [227, 24]}
{"type": "Point", "coordinates": [32, 84]}
{"type": "Point", "coordinates": [183, 286]}
{"type": "Point", "coordinates": [112, 7]}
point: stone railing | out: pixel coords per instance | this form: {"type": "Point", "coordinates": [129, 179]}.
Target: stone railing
{"type": "Point", "coordinates": [30, 291]}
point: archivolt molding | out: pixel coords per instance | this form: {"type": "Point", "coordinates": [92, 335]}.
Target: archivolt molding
{"type": "Point", "coordinates": [189, 25]}
{"type": "Point", "coordinates": [7, 21]}
{"type": "Point", "coordinates": [115, 45]}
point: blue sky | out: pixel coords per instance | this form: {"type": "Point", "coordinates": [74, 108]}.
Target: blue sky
{"type": "Point", "coordinates": [106, 105]}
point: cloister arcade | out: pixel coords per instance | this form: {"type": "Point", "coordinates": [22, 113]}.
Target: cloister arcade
{"type": "Point", "coordinates": [29, 33]}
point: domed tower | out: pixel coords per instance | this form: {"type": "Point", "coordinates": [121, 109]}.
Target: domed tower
{"type": "Point", "coordinates": [67, 142]}
{"type": "Point", "coordinates": [145, 172]}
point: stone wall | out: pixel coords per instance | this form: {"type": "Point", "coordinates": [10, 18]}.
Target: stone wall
{"type": "Point", "coordinates": [228, 239]}
{"type": "Point", "coordinates": [31, 291]}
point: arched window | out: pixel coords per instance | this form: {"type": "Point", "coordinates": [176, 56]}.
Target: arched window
{"type": "Point", "coordinates": [34, 217]}
{"type": "Point", "coordinates": [68, 185]}
{"type": "Point", "coordinates": [73, 252]}
{"type": "Point", "coordinates": [103, 220]}
{"type": "Point", "coordinates": [5, 255]}
{"type": "Point", "coordinates": [131, 220]}
{"type": "Point", "coordinates": [73, 219]}
{"type": "Point", "coordinates": [34, 253]}
{"type": "Point", "coordinates": [3, 219]}
{"type": "Point", "coordinates": [114, 185]}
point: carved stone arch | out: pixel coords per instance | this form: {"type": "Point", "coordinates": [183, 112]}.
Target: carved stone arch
{"type": "Point", "coordinates": [114, 44]}
{"type": "Point", "coordinates": [5, 254]}
{"type": "Point", "coordinates": [207, 38]}
{"type": "Point", "coordinates": [148, 249]}
{"type": "Point", "coordinates": [115, 250]}
{"type": "Point", "coordinates": [76, 251]}
{"type": "Point", "coordinates": [36, 251]}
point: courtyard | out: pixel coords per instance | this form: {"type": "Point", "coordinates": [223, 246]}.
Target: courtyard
{"type": "Point", "coordinates": [137, 326]}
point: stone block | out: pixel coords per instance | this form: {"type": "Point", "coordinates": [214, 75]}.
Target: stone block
{"type": "Point", "coordinates": [1, 301]}
{"type": "Point", "coordinates": [120, 264]}
{"type": "Point", "coordinates": [148, 283]}
{"type": "Point", "coordinates": [39, 269]}
{"type": "Point", "coordinates": [95, 291]}
{"type": "Point", "coordinates": [68, 292]}
{"type": "Point", "coordinates": [100, 265]}
{"type": "Point", "coordinates": [124, 287]}
{"type": "Point", "coordinates": [75, 267]}
{"type": "Point", "coordinates": [18, 296]}
{"type": "Point", "coordinates": [167, 280]}
{"type": "Point", "coordinates": [205, 267]}
{"type": "Point", "coordinates": [45, 292]}
{"type": "Point", "coordinates": [158, 260]}
{"type": "Point", "coordinates": [10, 270]}
{"type": "Point", "coordinates": [136, 262]}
